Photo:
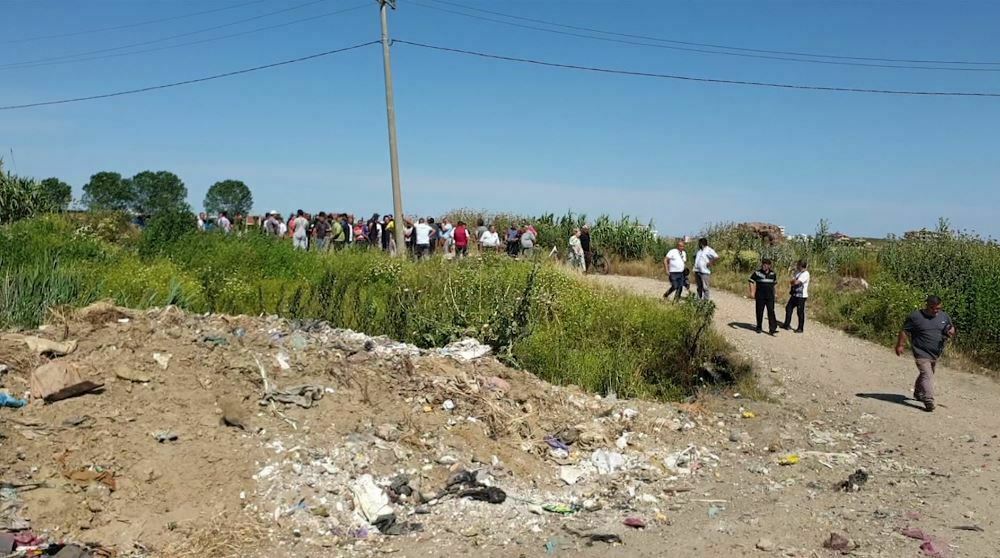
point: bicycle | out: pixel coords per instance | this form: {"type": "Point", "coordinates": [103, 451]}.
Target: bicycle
{"type": "Point", "coordinates": [598, 263]}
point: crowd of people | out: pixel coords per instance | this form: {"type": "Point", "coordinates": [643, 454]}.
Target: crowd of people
{"type": "Point", "coordinates": [424, 236]}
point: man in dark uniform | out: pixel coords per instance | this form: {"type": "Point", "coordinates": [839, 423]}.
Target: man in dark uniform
{"type": "Point", "coordinates": [762, 284]}
{"type": "Point", "coordinates": [588, 254]}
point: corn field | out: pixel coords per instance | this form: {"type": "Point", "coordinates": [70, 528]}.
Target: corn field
{"type": "Point", "coordinates": [21, 198]}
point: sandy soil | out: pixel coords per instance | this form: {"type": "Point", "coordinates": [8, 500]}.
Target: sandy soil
{"type": "Point", "coordinates": [829, 376]}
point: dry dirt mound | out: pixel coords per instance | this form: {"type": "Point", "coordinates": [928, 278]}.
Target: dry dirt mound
{"type": "Point", "coordinates": [236, 436]}
{"type": "Point", "coordinates": [216, 435]}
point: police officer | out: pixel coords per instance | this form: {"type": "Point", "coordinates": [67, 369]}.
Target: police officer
{"type": "Point", "coordinates": [762, 284]}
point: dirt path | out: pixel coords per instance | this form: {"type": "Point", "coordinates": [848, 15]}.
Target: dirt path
{"type": "Point", "coordinates": [823, 374]}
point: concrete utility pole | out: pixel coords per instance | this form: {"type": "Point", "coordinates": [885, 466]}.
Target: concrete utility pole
{"type": "Point", "coordinates": [390, 111]}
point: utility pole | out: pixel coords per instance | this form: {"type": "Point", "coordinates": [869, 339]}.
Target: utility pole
{"type": "Point", "coordinates": [390, 111]}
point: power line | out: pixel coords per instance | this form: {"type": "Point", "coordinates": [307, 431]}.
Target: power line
{"type": "Point", "coordinates": [190, 81]}
{"type": "Point", "coordinates": [704, 51]}
{"type": "Point", "coordinates": [30, 63]}
{"type": "Point", "coordinates": [131, 25]}
{"type": "Point", "coordinates": [198, 42]}
{"type": "Point", "coordinates": [710, 45]}
{"type": "Point", "coordinates": [700, 79]}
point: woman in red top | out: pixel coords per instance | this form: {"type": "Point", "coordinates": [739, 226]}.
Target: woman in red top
{"type": "Point", "coordinates": [461, 240]}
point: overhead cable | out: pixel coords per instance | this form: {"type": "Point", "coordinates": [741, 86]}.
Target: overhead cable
{"type": "Point", "coordinates": [189, 81]}
{"type": "Point", "coordinates": [198, 42]}
{"type": "Point", "coordinates": [699, 79]}
{"type": "Point", "coordinates": [130, 25]}
{"type": "Point", "coordinates": [28, 63]}
{"type": "Point", "coordinates": [711, 45]}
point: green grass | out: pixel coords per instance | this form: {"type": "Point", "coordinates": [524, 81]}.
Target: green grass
{"type": "Point", "coordinates": [535, 316]}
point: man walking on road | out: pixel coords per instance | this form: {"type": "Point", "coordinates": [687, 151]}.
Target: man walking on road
{"type": "Point", "coordinates": [703, 262]}
{"type": "Point", "coordinates": [762, 284]}
{"type": "Point", "coordinates": [799, 295]}
{"type": "Point", "coordinates": [929, 329]}
{"type": "Point", "coordinates": [674, 264]}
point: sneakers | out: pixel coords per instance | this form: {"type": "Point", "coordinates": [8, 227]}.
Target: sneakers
{"type": "Point", "coordinates": [929, 406]}
{"type": "Point", "coordinates": [799, 331]}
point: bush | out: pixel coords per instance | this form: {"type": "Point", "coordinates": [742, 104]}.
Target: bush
{"type": "Point", "coordinates": [166, 229]}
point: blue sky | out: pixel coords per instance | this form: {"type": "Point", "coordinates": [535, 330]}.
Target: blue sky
{"type": "Point", "coordinates": [510, 137]}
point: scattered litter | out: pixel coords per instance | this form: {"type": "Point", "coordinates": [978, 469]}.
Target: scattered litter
{"type": "Point", "coordinates": [556, 443]}
{"type": "Point", "coordinates": [85, 476]}
{"type": "Point", "coordinates": [975, 528]}
{"type": "Point", "coordinates": [563, 509]}
{"type": "Point", "coordinates": [791, 459]}
{"type": "Point", "coordinates": [282, 360]}
{"type": "Point", "coordinates": [748, 414]}
{"type": "Point", "coordinates": [163, 437]}
{"type": "Point", "coordinates": [43, 346]}
{"type": "Point", "coordinates": [714, 511]}
{"type": "Point", "coordinates": [634, 522]}
{"type": "Point", "coordinates": [914, 533]}
{"type": "Point", "coordinates": [55, 381]}
{"type": "Point", "coordinates": [448, 405]}
{"type": "Point", "coordinates": [490, 494]}
{"type": "Point", "coordinates": [369, 499]}
{"type": "Point", "coordinates": [465, 350]}
{"type": "Point", "coordinates": [591, 538]}
{"type": "Point", "coordinates": [570, 474]}
{"type": "Point", "coordinates": [215, 340]}
{"type": "Point", "coordinates": [855, 482]}
{"type": "Point", "coordinates": [607, 462]}
{"type": "Point", "coordinates": [163, 359]}
{"type": "Point", "coordinates": [304, 396]}
{"type": "Point", "coordinates": [7, 400]}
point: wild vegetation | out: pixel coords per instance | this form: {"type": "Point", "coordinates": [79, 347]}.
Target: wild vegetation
{"type": "Point", "coordinates": [22, 197]}
{"type": "Point", "coordinates": [535, 316]}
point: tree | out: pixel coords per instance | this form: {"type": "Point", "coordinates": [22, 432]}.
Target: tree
{"type": "Point", "coordinates": [108, 191]}
{"type": "Point", "coordinates": [153, 192]}
{"type": "Point", "coordinates": [232, 196]}
{"type": "Point", "coordinates": [58, 194]}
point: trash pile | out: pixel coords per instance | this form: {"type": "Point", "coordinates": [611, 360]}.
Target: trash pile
{"type": "Point", "coordinates": [161, 433]}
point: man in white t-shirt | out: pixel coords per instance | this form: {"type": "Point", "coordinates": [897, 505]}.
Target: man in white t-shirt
{"type": "Point", "coordinates": [224, 223]}
{"type": "Point", "coordinates": [423, 240]}
{"type": "Point", "coordinates": [674, 265]}
{"type": "Point", "coordinates": [703, 262]}
{"type": "Point", "coordinates": [300, 231]}
{"type": "Point", "coordinates": [799, 295]}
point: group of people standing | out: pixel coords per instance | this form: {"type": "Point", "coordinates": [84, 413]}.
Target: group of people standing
{"type": "Point", "coordinates": [762, 284]}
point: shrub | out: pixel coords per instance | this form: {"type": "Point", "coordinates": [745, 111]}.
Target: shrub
{"type": "Point", "coordinates": [165, 229]}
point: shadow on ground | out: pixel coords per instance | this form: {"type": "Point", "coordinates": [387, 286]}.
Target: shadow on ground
{"type": "Point", "coordinates": [896, 398]}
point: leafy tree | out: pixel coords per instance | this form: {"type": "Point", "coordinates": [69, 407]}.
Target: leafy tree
{"type": "Point", "coordinates": [58, 194]}
{"type": "Point", "coordinates": [155, 192]}
{"type": "Point", "coordinates": [108, 191]}
{"type": "Point", "coordinates": [232, 196]}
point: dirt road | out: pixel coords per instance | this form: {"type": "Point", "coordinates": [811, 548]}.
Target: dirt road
{"type": "Point", "coordinates": [829, 376]}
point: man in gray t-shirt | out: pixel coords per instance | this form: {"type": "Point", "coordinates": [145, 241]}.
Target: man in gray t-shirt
{"type": "Point", "coordinates": [928, 329]}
